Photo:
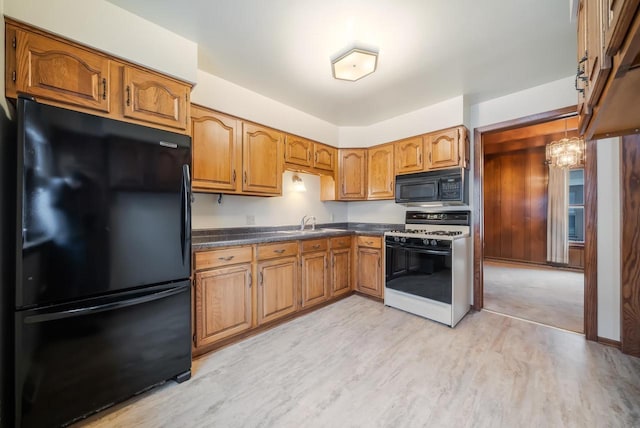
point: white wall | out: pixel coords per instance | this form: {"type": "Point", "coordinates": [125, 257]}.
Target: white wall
{"type": "Point", "coordinates": [107, 27]}
{"type": "Point", "coordinates": [609, 261]}
{"type": "Point", "coordinates": [227, 97]}
{"type": "Point", "coordinates": [443, 115]}
{"type": "Point", "coordinates": [283, 210]}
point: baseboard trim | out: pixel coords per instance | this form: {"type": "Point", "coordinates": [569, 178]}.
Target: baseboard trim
{"type": "Point", "coordinates": [610, 342]}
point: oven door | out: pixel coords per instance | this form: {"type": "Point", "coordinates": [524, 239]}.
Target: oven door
{"type": "Point", "coordinates": [419, 272]}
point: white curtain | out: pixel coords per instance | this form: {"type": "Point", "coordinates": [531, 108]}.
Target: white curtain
{"type": "Point", "coordinates": [557, 216]}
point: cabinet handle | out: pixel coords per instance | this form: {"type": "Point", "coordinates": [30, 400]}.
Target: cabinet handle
{"type": "Point", "coordinates": [128, 96]}
{"type": "Point", "coordinates": [429, 157]}
{"type": "Point", "coordinates": [316, 157]}
{"type": "Point", "coordinates": [315, 247]}
{"type": "Point", "coordinates": [234, 176]}
{"type": "Point", "coordinates": [260, 278]}
{"type": "Point", "coordinates": [245, 177]}
{"type": "Point", "coordinates": [104, 88]}
{"type": "Point", "coordinates": [378, 261]}
{"type": "Point", "coordinates": [280, 251]}
{"type": "Point", "coordinates": [226, 259]}
{"type": "Point", "coordinates": [308, 155]}
{"type": "Point", "coordinates": [369, 242]}
{"type": "Point", "coordinates": [420, 158]}
{"type": "Point", "coordinates": [250, 279]}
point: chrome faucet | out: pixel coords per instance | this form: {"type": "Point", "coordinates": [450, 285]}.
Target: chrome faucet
{"type": "Point", "coordinates": [306, 219]}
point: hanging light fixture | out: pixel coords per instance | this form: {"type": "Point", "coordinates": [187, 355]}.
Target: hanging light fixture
{"type": "Point", "coordinates": [566, 152]}
{"type": "Point", "coordinates": [298, 184]}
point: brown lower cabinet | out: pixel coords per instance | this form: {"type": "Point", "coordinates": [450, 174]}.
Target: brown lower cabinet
{"type": "Point", "coordinates": [369, 260]}
{"type": "Point", "coordinates": [238, 289]}
{"type": "Point", "coordinates": [315, 272]}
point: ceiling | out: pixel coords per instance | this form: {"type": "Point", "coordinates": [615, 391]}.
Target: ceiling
{"type": "Point", "coordinates": [429, 50]}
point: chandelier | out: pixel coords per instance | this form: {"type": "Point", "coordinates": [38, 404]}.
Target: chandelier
{"type": "Point", "coordinates": [566, 152]}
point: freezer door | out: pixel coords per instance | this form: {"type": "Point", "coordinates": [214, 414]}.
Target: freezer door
{"type": "Point", "coordinates": [74, 360]}
{"type": "Point", "coordinates": [105, 205]}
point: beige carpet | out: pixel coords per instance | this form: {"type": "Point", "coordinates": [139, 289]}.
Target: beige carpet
{"type": "Point", "coordinates": [549, 296]}
{"type": "Point", "coordinates": [357, 363]}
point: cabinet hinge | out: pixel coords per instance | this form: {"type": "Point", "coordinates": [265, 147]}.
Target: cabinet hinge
{"type": "Point", "coordinates": [14, 42]}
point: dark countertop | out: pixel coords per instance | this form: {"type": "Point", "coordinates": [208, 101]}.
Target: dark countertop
{"type": "Point", "coordinates": [211, 238]}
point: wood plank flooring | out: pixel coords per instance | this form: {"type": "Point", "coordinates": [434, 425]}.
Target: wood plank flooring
{"type": "Point", "coordinates": [549, 296]}
{"type": "Point", "coordinates": [357, 363]}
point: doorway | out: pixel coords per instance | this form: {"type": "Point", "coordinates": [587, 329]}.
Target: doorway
{"type": "Point", "coordinates": [511, 272]}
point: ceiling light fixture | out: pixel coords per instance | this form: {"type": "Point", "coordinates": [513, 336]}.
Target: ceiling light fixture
{"type": "Point", "coordinates": [354, 64]}
{"type": "Point", "coordinates": [298, 184]}
{"type": "Point", "coordinates": [566, 152]}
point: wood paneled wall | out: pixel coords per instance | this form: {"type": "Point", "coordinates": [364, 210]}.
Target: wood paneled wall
{"type": "Point", "coordinates": [630, 253]}
{"type": "Point", "coordinates": [515, 205]}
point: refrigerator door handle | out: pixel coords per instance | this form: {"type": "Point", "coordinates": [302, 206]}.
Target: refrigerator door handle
{"type": "Point", "coordinates": [71, 313]}
{"type": "Point", "coordinates": [186, 199]}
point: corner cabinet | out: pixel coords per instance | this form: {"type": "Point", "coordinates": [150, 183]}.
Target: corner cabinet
{"type": "Point", "coordinates": [60, 72]}
{"type": "Point", "coordinates": [217, 150]}
{"type": "Point", "coordinates": [369, 262]}
{"type": "Point", "coordinates": [262, 159]}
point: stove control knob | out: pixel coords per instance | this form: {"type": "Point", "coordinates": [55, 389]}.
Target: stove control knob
{"type": "Point", "coordinates": [425, 241]}
{"type": "Point", "coordinates": [434, 243]}
{"type": "Point", "coordinates": [396, 239]}
{"type": "Point", "coordinates": [403, 239]}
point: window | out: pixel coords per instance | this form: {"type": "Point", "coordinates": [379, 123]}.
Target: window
{"type": "Point", "coordinates": [576, 205]}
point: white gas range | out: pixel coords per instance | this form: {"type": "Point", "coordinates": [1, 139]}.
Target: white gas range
{"type": "Point", "coordinates": [428, 265]}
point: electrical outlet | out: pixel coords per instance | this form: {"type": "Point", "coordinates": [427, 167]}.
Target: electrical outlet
{"type": "Point", "coordinates": [251, 220]}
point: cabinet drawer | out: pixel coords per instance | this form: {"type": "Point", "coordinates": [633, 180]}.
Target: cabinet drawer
{"type": "Point", "coordinates": [272, 251]}
{"type": "Point", "coordinates": [314, 245]}
{"type": "Point", "coordinates": [341, 242]}
{"type": "Point", "coordinates": [222, 257]}
{"type": "Point", "coordinates": [370, 241]}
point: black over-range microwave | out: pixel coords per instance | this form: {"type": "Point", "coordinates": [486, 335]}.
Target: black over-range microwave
{"type": "Point", "coordinates": [433, 188]}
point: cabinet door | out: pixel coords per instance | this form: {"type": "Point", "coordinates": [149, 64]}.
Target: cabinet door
{"type": "Point", "coordinates": [58, 71]}
{"type": "Point", "coordinates": [324, 157]}
{"type": "Point", "coordinates": [352, 180]}
{"type": "Point", "coordinates": [152, 98]}
{"type": "Point", "coordinates": [408, 155]}
{"type": "Point", "coordinates": [369, 271]}
{"type": "Point", "coordinates": [314, 278]}
{"type": "Point", "coordinates": [443, 150]}
{"type": "Point", "coordinates": [618, 17]}
{"type": "Point", "coordinates": [298, 150]}
{"type": "Point", "coordinates": [598, 64]}
{"type": "Point", "coordinates": [277, 288]}
{"type": "Point", "coordinates": [262, 159]}
{"type": "Point", "coordinates": [222, 303]}
{"type": "Point", "coordinates": [340, 271]}
{"type": "Point", "coordinates": [380, 172]}
{"type": "Point", "coordinates": [216, 150]}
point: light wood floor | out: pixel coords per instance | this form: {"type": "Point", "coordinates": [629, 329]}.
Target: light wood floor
{"type": "Point", "coordinates": [550, 296]}
{"type": "Point", "coordinates": [357, 363]}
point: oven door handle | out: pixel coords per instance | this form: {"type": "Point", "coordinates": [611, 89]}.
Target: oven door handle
{"type": "Point", "coordinates": [419, 250]}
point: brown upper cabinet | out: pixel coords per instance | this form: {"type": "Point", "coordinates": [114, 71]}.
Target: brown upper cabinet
{"type": "Point", "coordinates": [152, 98]}
{"type": "Point", "coordinates": [232, 156]}
{"type": "Point", "coordinates": [352, 174]}
{"type": "Point", "coordinates": [217, 150]}
{"type": "Point", "coordinates": [608, 70]}
{"type": "Point", "coordinates": [262, 159]}
{"type": "Point", "coordinates": [443, 149]}
{"type": "Point", "coordinates": [409, 155]}
{"type": "Point", "coordinates": [380, 172]}
{"type": "Point", "coordinates": [64, 73]}
{"type": "Point", "coordinates": [301, 154]}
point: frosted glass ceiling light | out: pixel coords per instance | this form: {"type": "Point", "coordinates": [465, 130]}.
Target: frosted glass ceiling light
{"type": "Point", "coordinates": [354, 64]}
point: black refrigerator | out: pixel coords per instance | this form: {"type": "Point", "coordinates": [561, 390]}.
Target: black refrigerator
{"type": "Point", "coordinates": [102, 245]}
